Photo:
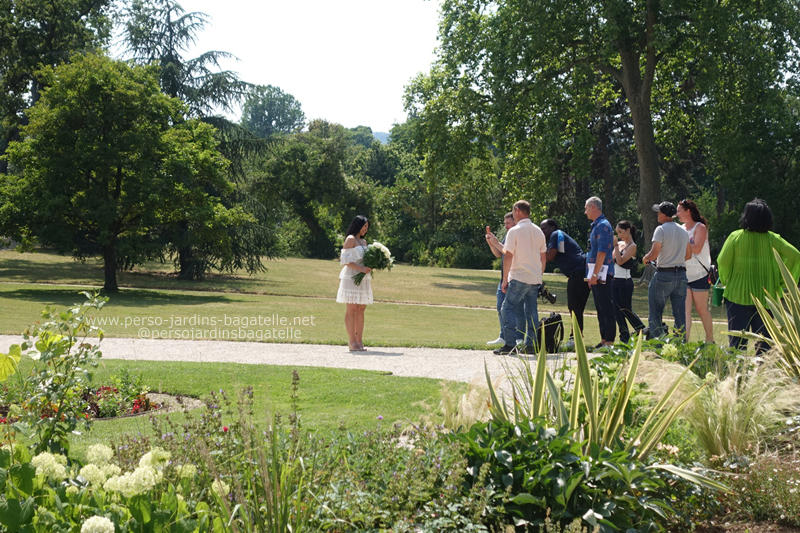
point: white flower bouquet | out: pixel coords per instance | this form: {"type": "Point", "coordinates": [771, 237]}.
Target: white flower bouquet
{"type": "Point", "coordinates": [377, 257]}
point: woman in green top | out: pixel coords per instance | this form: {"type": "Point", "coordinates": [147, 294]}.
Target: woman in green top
{"type": "Point", "coordinates": [748, 269]}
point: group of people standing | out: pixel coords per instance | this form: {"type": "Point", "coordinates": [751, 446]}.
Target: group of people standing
{"type": "Point", "coordinates": [680, 254]}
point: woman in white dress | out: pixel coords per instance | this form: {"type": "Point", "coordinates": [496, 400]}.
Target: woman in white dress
{"type": "Point", "coordinates": [697, 267]}
{"type": "Point", "coordinates": [357, 297]}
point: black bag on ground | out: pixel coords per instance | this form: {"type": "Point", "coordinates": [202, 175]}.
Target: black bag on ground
{"type": "Point", "coordinates": [553, 332]}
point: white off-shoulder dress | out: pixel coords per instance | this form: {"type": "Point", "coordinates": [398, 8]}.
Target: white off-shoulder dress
{"type": "Point", "coordinates": [349, 292]}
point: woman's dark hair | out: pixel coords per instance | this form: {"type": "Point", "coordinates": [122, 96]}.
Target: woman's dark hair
{"type": "Point", "coordinates": [692, 208]}
{"type": "Point", "coordinates": [356, 225]}
{"type": "Point", "coordinates": [624, 224]}
{"type": "Point", "coordinates": [756, 217]}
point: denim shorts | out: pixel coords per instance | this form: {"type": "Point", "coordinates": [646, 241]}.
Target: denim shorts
{"type": "Point", "coordinates": [699, 285]}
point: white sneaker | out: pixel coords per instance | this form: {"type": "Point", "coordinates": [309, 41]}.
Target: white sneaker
{"type": "Point", "coordinates": [498, 340]}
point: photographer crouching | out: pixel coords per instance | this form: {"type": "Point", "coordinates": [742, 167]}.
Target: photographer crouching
{"type": "Point", "coordinates": [571, 261]}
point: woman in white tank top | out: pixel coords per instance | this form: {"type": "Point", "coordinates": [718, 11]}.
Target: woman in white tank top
{"type": "Point", "coordinates": [697, 267]}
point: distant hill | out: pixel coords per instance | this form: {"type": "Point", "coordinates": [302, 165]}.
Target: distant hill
{"type": "Point", "coordinates": [381, 136]}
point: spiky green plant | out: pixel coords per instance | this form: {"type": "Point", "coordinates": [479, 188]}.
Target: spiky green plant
{"type": "Point", "coordinates": [535, 394]}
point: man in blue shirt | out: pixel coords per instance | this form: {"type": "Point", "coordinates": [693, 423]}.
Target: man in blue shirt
{"type": "Point", "coordinates": [600, 269]}
{"type": "Point", "coordinates": [571, 261]}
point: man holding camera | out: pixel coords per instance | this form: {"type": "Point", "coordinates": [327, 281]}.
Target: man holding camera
{"type": "Point", "coordinates": [523, 265]}
{"type": "Point", "coordinates": [571, 261]}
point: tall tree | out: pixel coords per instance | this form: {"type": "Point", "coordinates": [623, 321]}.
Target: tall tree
{"type": "Point", "coordinates": [268, 110]}
{"type": "Point", "coordinates": [161, 32]}
{"type": "Point", "coordinates": [35, 33]}
{"type": "Point", "coordinates": [516, 72]}
{"type": "Point", "coordinates": [306, 174]}
{"type": "Point", "coordinates": [99, 161]}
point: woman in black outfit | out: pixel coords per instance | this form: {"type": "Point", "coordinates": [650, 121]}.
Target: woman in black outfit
{"type": "Point", "coordinates": [622, 291]}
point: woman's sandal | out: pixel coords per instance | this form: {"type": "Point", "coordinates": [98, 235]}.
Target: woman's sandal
{"type": "Point", "coordinates": [354, 346]}
{"type": "Point", "coordinates": [361, 347]}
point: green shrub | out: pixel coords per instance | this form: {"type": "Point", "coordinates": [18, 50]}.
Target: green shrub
{"type": "Point", "coordinates": [767, 489]}
{"type": "Point", "coordinates": [52, 405]}
{"type": "Point", "coordinates": [539, 468]}
{"type": "Point", "coordinates": [45, 493]}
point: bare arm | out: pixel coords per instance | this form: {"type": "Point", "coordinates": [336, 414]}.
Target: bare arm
{"type": "Point", "coordinates": [688, 252]}
{"type": "Point", "coordinates": [551, 254]}
{"type": "Point", "coordinates": [509, 258]}
{"type": "Point", "coordinates": [627, 252]}
{"type": "Point", "coordinates": [653, 253]}
{"type": "Point", "coordinates": [544, 261]}
{"type": "Point", "coordinates": [700, 236]}
{"type": "Point", "coordinates": [350, 242]}
{"type": "Point", "coordinates": [494, 244]}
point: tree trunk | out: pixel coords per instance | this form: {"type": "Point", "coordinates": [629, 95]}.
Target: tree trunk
{"type": "Point", "coordinates": [608, 186]}
{"type": "Point", "coordinates": [638, 94]}
{"type": "Point", "coordinates": [110, 267]}
{"type": "Point", "coordinates": [320, 245]}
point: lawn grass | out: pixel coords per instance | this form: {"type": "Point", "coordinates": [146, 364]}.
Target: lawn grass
{"type": "Point", "coordinates": [328, 398]}
{"type": "Point", "coordinates": [292, 288]}
{"type": "Point", "coordinates": [415, 306]}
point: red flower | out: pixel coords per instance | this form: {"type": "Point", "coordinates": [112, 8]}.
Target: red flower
{"type": "Point", "coordinates": [224, 429]}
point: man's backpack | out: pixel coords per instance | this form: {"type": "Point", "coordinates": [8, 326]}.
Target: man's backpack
{"type": "Point", "coordinates": [553, 332]}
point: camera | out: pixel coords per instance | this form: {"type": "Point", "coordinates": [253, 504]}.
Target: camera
{"type": "Point", "coordinates": [544, 294]}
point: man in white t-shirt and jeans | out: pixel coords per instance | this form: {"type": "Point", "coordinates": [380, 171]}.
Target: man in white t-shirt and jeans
{"type": "Point", "coordinates": [525, 257]}
{"type": "Point", "coordinates": [671, 248]}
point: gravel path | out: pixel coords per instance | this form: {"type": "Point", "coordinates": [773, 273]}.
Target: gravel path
{"type": "Point", "coordinates": [455, 365]}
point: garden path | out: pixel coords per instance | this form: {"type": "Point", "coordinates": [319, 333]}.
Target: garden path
{"type": "Point", "coordinates": [437, 363]}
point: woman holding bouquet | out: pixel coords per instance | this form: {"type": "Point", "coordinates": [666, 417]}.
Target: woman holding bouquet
{"type": "Point", "coordinates": [357, 297]}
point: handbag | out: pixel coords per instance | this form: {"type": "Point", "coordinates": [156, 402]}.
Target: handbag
{"type": "Point", "coordinates": [713, 273]}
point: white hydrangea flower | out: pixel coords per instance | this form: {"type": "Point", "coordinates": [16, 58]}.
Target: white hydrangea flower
{"type": "Point", "coordinates": [98, 524]}
{"type": "Point", "coordinates": [113, 484]}
{"type": "Point", "coordinates": [155, 458]}
{"type": "Point", "coordinates": [111, 470]}
{"type": "Point", "coordinates": [186, 471]}
{"type": "Point", "coordinates": [140, 481]}
{"type": "Point", "coordinates": [72, 489]}
{"type": "Point", "coordinates": [220, 487]}
{"type": "Point", "coordinates": [93, 474]}
{"type": "Point", "coordinates": [99, 454]}
{"type": "Point", "coordinates": [669, 350]}
{"type": "Point", "coordinates": [47, 465]}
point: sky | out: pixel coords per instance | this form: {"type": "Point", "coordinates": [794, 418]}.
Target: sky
{"type": "Point", "coordinates": [345, 61]}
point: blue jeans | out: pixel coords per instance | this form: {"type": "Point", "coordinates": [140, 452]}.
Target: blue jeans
{"type": "Point", "coordinates": [744, 317]}
{"type": "Point", "coordinates": [663, 286]}
{"type": "Point", "coordinates": [622, 296]}
{"type": "Point", "coordinates": [501, 296]}
{"type": "Point", "coordinates": [520, 297]}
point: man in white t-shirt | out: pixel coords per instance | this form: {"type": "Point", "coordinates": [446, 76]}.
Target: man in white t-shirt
{"type": "Point", "coordinates": [525, 257]}
{"type": "Point", "coordinates": [670, 250]}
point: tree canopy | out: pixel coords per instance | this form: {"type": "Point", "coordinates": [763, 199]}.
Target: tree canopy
{"type": "Point", "coordinates": [35, 33]}
{"type": "Point", "coordinates": [527, 78]}
{"type": "Point", "coordinates": [268, 110]}
{"type": "Point", "coordinates": [105, 160]}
